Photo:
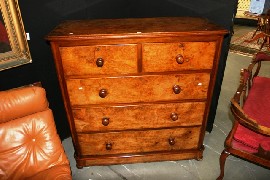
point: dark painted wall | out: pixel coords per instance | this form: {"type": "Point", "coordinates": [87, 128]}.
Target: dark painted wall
{"type": "Point", "coordinates": [41, 16]}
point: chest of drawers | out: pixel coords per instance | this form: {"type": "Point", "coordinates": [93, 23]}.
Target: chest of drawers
{"type": "Point", "coordinates": [136, 90]}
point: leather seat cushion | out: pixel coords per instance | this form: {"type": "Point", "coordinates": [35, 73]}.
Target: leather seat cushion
{"type": "Point", "coordinates": [29, 145]}
{"type": "Point", "coordinates": [257, 107]}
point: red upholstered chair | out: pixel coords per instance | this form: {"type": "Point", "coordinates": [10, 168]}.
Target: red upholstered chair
{"type": "Point", "coordinates": [30, 147]}
{"type": "Point", "coordinates": [249, 138]}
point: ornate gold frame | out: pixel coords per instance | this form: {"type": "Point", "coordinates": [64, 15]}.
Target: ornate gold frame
{"type": "Point", "coordinates": [19, 53]}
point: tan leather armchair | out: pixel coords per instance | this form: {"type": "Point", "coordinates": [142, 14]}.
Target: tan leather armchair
{"type": "Point", "coordinates": [30, 147]}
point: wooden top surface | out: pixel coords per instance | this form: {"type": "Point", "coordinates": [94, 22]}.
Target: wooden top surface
{"type": "Point", "coordinates": [133, 27]}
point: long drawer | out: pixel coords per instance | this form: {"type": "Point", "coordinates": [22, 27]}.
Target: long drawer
{"type": "Point", "coordinates": [139, 141]}
{"type": "Point", "coordinates": [132, 89]}
{"type": "Point", "coordinates": [145, 116]}
{"type": "Point", "coordinates": [160, 57]}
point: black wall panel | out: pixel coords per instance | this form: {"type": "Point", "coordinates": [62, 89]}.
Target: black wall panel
{"type": "Point", "coordinates": [41, 16]}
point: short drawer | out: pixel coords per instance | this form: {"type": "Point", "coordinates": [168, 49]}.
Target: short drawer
{"type": "Point", "coordinates": [139, 141]}
{"type": "Point", "coordinates": [159, 57]}
{"type": "Point", "coordinates": [138, 88]}
{"type": "Point", "coordinates": [89, 60]}
{"type": "Point", "coordinates": [147, 116]}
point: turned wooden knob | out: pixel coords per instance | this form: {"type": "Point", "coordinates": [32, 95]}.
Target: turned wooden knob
{"type": "Point", "coordinates": [108, 146]}
{"type": "Point", "coordinates": [103, 93]}
{"type": "Point", "coordinates": [105, 121]}
{"type": "Point", "coordinates": [99, 62]}
{"type": "Point", "coordinates": [174, 116]}
{"type": "Point", "coordinates": [179, 59]}
{"type": "Point", "coordinates": [171, 141]}
{"type": "Point", "coordinates": [176, 89]}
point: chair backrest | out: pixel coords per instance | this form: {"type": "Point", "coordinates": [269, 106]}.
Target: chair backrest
{"type": "Point", "coordinates": [29, 142]}
{"type": "Point", "coordinates": [20, 102]}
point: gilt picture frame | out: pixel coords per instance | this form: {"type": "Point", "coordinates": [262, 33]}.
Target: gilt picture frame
{"type": "Point", "coordinates": [14, 50]}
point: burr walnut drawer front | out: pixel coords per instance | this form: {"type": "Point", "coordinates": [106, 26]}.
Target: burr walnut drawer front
{"type": "Point", "coordinates": [147, 116]}
{"type": "Point", "coordinates": [103, 59]}
{"type": "Point", "coordinates": [138, 88]}
{"type": "Point", "coordinates": [160, 57]}
{"type": "Point", "coordinates": [139, 141]}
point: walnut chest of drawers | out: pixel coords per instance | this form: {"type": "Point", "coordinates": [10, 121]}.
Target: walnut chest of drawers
{"type": "Point", "coordinates": [136, 90]}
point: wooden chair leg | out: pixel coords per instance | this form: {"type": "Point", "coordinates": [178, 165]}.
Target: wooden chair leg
{"type": "Point", "coordinates": [264, 41]}
{"type": "Point", "coordinates": [222, 160]}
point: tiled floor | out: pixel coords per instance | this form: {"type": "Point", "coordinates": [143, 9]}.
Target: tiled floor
{"type": "Point", "coordinates": [208, 168]}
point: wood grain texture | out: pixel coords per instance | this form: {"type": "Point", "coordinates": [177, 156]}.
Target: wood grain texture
{"type": "Point", "coordinates": [89, 119]}
{"type": "Point", "coordinates": [81, 60]}
{"type": "Point", "coordinates": [160, 57]}
{"type": "Point", "coordinates": [132, 89]}
{"type": "Point", "coordinates": [139, 141]}
{"type": "Point", "coordinates": [139, 158]}
{"type": "Point", "coordinates": [127, 103]}
{"type": "Point", "coordinates": [102, 28]}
